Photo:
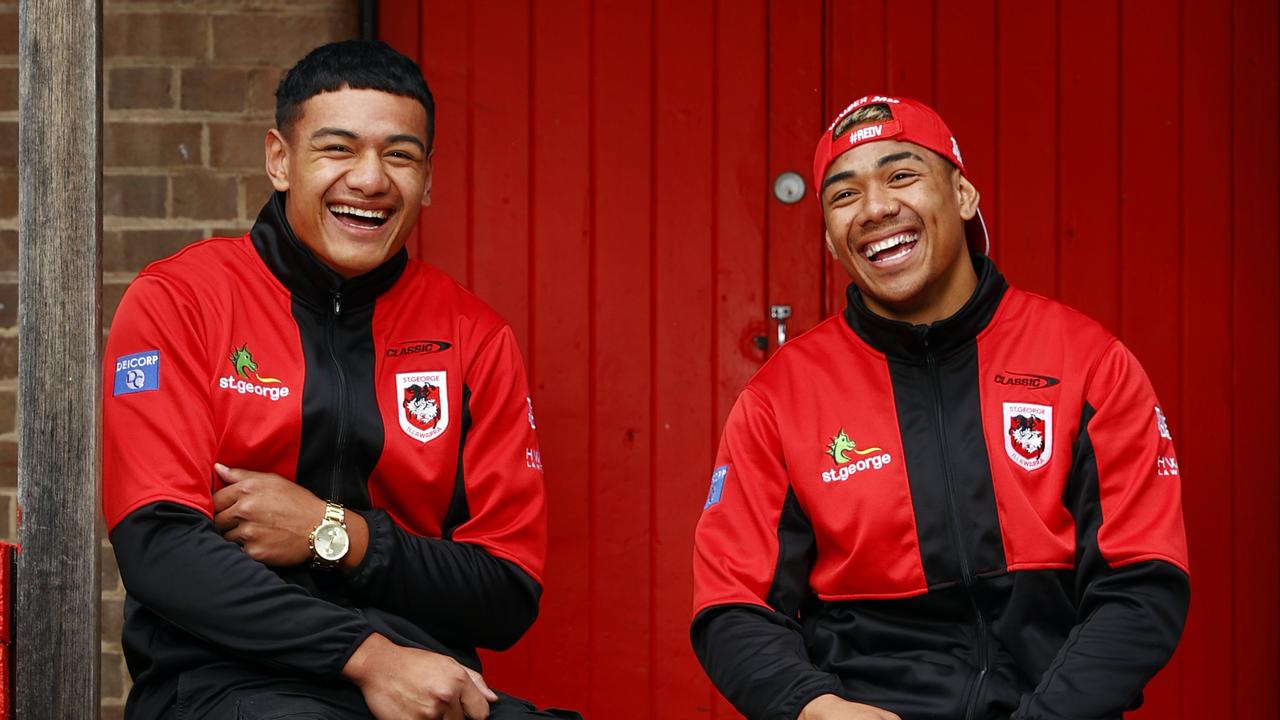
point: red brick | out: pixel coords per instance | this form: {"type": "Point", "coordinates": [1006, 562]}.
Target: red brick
{"type": "Point", "coordinates": [276, 39]}
{"type": "Point", "coordinates": [262, 90]}
{"type": "Point", "coordinates": [127, 144]}
{"type": "Point", "coordinates": [109, 573]}
{"type": "Point", "coordinates": [8, 531]}
{"type": "Point", "coordinates": [230, 231]}
{"type": "Point", "coordinates": [238, 145]}
{"type": "Point", "coordinates": [9, 194]}
{"type": "Point", "coordinates": [8, 357]}
{"type": "Point", "coordinates": [214, 89]}
{"type": "Point", "coordinates": [134, 195]}
{"type": "Point", "coordinates": [134, 88]}
{"type": "Point", "coordinates": [257, 190]}
{"type": "Point", "coordinates": [113, 685]}
{"type": "Point", "coordinates": [8, 306]}
{"type": "Point", "coordinates": [8, 88]}
{"type": "Point", "coordinates": [155, 35]}
{"type": "Point", "coordinates": [8, 464]}
{"type": "Point", "coordinates": [199, 195]}
{"type": "Point", "coordinates": [9, 32]}
{"type": "Point", "coordinates": [112, 623]}
{"type": "Point", "coordinates": [131, 250]}
{"type": "Point", "coordinates": [8, 253]}
{"type": "Point", "coordinates": [111, 294]}
{"type": "Point", "coordinates": [9, 145]}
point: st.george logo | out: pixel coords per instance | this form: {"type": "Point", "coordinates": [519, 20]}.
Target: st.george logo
{"type": "Point", "coordinates": [847, 466]}
{"type": "Point", "coordinates": [1028, 436]}
{"type": "Point", "coordinates": [424, 404]}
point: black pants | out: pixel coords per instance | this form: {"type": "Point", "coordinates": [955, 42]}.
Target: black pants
{"type": "Point", "coordinates": [211, 695]}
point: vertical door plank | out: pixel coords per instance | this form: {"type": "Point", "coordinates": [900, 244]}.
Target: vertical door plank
{"type": "Point", "coordinates": [1150, 273]}
{"type": "Point", "coordinates": [795, 261]}
{"type": "Point", "coordinates": [1088, 154]}
{"type": "Point", "coordinates": [682, 306]}
{"type": "Point", "coordinates": [909, 48]}
{"type": "Point", "coordinates": [854, 65]}
{"type": "Point", "coordinates": [1255, 301]}
{"type": "Point", "coordinates": [445, 229]}
{"type": "Point", "coordinates": [741, 192]}
{"type": "Point", "coordinates": [559, 202]}
{"type": "Point", "coordinates": [623, 106]}
{"type": "Point", "coordinates": [966, 91]}
{"type": "Point", "coordinates": [1026, 160]}
{"type": "Point", "coordinates": [500, 163]}
{"type": "Point", "coordinates": [1202, 428]}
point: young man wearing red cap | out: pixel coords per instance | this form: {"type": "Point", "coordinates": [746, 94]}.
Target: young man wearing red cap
{"type": "Point", "coordinates": [955, 500]}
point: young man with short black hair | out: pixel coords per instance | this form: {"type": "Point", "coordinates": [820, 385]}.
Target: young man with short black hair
{"type": "Point", "coordinates": [956, 500]}
{"type": "Point", "coordinates": [315, 467]}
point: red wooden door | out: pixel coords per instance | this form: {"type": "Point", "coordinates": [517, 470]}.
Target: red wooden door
{"type": "Point", "coordinates": [603, 178]}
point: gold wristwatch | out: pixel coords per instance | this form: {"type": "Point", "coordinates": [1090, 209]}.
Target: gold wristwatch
{"type": "Point", "coordinates": [329, 541]}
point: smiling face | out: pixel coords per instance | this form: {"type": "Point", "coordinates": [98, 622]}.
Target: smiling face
{"type": "Point", "coordinates": [356, 170]}
{"type": "Point", "coordinates": [895, 217]}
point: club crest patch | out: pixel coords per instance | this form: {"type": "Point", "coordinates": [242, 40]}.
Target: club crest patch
{"type": "Point", "coordinates": [1028, 434]}
{"type": "Point", "coordinates": [424, 404]}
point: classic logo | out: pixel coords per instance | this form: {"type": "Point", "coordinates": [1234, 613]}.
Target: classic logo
{"type": "Point", "coordinates": [1028, 437]}
{"type": "Point", "coordinates": [424, 404]}
{"type": "Point", "coordinates": [246, 379]}
{"type": "Point", "coordinates": [955, 149]}
{"type": "Point", "coordinates": [846, 467]}
{"type": "Point", "coordinates": [138, 372]}
{"type": "Point", "coordinates": [1026, 380]}
{"type": "Point", "coordinates": [415, 347]}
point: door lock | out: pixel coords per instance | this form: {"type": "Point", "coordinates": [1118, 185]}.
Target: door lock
{"type": "Point", "coordinates": [780, 313]}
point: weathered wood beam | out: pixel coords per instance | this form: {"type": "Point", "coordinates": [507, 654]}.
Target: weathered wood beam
{"type": "Point", "coordinates": [59, 366]}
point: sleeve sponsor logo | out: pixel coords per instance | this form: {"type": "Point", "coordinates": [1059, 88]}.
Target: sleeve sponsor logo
{"type": "Point", "coordinates": [1162, 425]}
{"type": "Point", "coordinates": [533, 459]}
{"type": "Point", "coordinates": [717, 486]}
{"type": "Point", "coordinates": [1028, 437]}
{"type": "Point", "coordinates": [847, 466]}
{"type": "Point", "coordinates": [139, 372]}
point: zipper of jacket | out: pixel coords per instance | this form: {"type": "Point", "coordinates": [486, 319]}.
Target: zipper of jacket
{"type": "Point", "coordinates": [966, 573]}
{"type": "Point", "coordinates": [336, 476]}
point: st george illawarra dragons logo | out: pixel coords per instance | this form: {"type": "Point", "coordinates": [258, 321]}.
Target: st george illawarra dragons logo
{"type": "Point", "coordinates": [424, 404]}
{"type": "Point", "coordinates": [1028, 434]}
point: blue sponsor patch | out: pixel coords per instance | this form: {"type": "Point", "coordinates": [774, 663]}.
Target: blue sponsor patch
{"type": "Point", "coordinates": [138, 372]}
{"type": "Point", "coordinates": [717, 485]}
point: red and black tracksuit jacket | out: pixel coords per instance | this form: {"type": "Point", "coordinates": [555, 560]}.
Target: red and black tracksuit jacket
{"type": "Point", "coordinates": [979, 518]}
{"type": "Point", "coordinates": [396, 393]}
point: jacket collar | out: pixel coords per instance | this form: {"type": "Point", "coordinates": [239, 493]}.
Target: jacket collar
{"type": "Point", "coordinates": [305, 276]}
{"type": "Point", "coordinates": [911, 342]}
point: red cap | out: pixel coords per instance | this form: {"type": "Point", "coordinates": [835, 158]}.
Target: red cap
{"type": "Point", "coordinates": [912, 122]}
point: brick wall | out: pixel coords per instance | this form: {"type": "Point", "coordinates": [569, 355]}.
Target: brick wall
{"type": "Point", "coordinates": [188, 96]}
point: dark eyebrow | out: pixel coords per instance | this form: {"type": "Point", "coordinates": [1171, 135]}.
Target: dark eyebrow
{"type": "Point", "coordinates": [334, 131]}
{"type": "Point", "coordinates": [896, 157]}
{"type": "Point", "coordinates": [412, 139]}
{"type": "Point", "coordinates": [837, 178]}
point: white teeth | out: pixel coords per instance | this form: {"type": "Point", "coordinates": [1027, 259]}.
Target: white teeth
{"type": "Point", "coordinates": [870, 251]}
{"type": "Point", "coordinates": [348, 210]}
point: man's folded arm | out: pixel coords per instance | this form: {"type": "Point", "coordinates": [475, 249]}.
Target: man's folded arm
{"type": "Point", "coordinates": [1131, 559]}
{"type": "Point", "coordinates": [757, 659]}
{"type": "Point", "coordinates": [479, 583]}
{"type": "Point", "coordinates": [456, 591]}
{"type": "Point", "coordinates": [175, 562]}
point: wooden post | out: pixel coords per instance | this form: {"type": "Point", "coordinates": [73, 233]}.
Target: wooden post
{"type": "Point", "coordinates": [59, 366]}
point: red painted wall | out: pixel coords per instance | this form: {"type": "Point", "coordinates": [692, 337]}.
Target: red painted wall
{"type": "Point", "coordinates": [603, 174]}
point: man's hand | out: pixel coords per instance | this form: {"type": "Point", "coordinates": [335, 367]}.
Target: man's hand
{"type": "Point", "coordinates": [270, 517]}
{"type": "Point", "coordinates": [830, 707]}
{"type": "Point", "coordinates": [399, 682]}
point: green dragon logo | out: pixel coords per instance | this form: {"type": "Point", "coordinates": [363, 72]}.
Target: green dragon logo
{"type": "Point", "coordinates": [242, 361]}
{"type": "Point", "coordinates": [841, 445]}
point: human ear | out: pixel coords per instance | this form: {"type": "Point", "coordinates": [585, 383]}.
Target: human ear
{"type": "Point", "coordinates": [426, 186]}
{"type": "Point", "coordinates": [277, 152]}
{"type": "Point", "coordinates": [967, 196]}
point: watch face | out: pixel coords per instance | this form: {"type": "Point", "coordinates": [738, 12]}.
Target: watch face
{"type": "Point", "coordinates": [331, 541]}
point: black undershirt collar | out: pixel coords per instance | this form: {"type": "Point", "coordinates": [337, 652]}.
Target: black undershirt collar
{"type": "Point", "coordinates": [910, 342]}
{"type": "Point", "coordinates": [304, 275]}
